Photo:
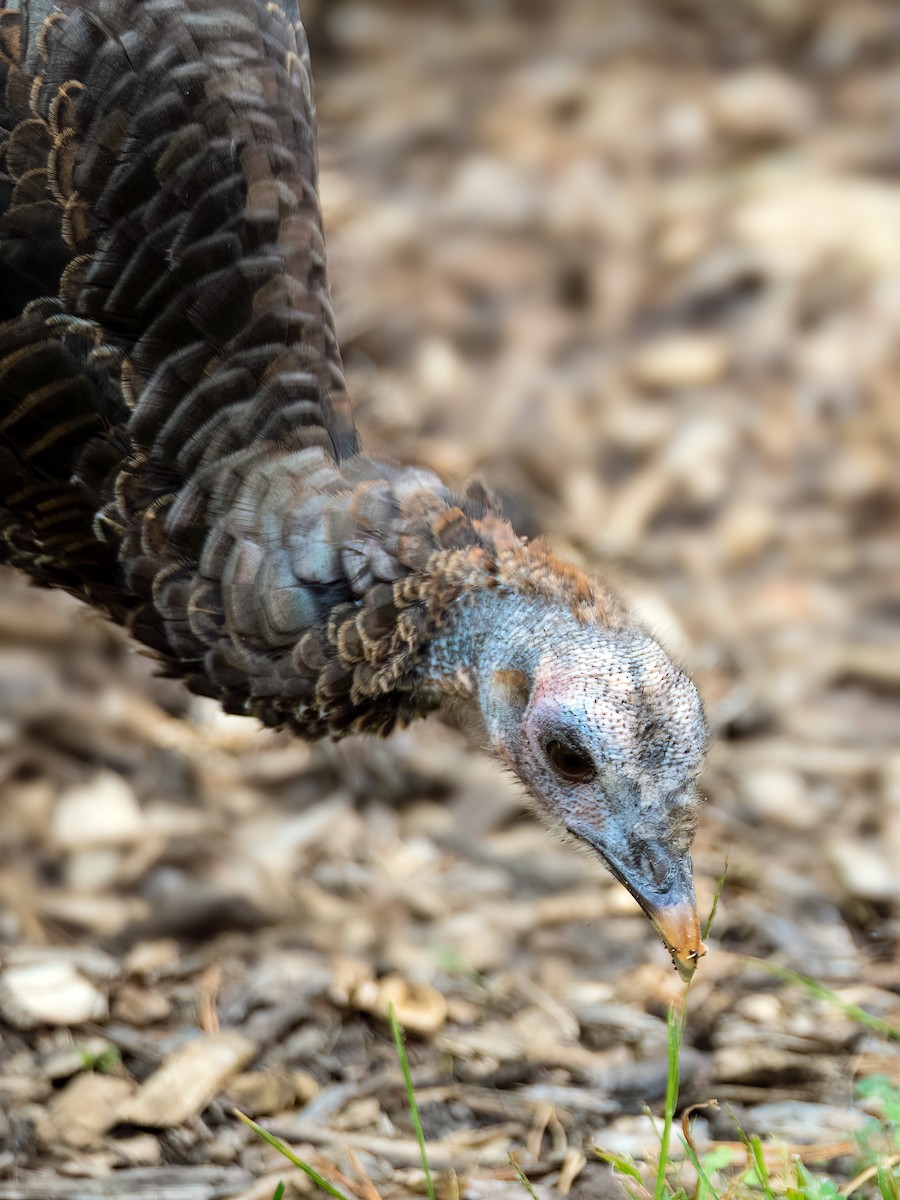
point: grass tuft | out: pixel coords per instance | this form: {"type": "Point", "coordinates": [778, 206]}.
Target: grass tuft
{"type": "Point", "coordinates": [741, 1170]}
{"type": "Point", "coordinates": [737, 1170]}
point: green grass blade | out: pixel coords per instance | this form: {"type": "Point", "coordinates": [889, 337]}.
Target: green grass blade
{"type": "Point", "coordinates": [675, 1032]}
{"type": "Point", "coordinates": [523, 1179]}
{"type": "Point", "coordinates": [853, 1011]}
{"type": "Point", "coordinates": [279, 1192]}
{"type": "Point", "coordinates": [720, 887]}
{"type": "Point", "coordinates": [626, 1167]}
{"type": "Point", "coordinates": [754, 1145]}
{"type": "Point", "coordinates": [319, 1180]}
{"type": "Point", "coordinates": [621, 1163]}
{"type": "Point", "coordinates": [887, 1183]}
{"type": "Point", "coordinates": [705, 1181]}
{"type": "Point", "coordinates": [397, 1031]}
{"type": "Point", "coordinates": [813, 1187]}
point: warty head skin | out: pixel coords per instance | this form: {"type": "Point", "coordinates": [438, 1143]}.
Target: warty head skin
{"type": "Point", "coordinates": [606, 734]}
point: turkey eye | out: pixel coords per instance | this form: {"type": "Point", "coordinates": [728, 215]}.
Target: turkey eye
{"type": "Point", "coordinates": [569, 762]}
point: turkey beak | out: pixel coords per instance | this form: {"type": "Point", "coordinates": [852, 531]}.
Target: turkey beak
{"type": "Point", "coordinates": [679, 927]}
{"type": "Point", "coordinates": [671, 907]}
{"type": "Point", "coordinates": [662, 883]}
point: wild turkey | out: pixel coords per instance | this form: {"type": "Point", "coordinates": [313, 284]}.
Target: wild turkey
{"type": "Point", "coordinates": [177, 446]}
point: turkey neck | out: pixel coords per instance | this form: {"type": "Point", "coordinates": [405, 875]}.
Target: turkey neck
{"type": "Point", "coordinates": [349, 597]}
{"type": "Point", "coordinates": [488, 641]}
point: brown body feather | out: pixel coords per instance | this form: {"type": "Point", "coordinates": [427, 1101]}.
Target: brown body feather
{"type": "Point", "coordinates": [176, 441]}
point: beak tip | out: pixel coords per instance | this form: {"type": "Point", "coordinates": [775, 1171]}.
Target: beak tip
{"type": "Point", "coordinates": [686, 961]}
{"type": "Point", "coordinates": [679, 927]}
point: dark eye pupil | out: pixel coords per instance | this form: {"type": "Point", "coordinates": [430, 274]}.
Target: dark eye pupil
{"type": "Point", "coordinates": [569, 762]}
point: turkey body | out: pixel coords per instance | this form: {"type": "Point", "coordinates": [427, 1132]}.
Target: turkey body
{"type": "Point", "coordinates": [177, 446]}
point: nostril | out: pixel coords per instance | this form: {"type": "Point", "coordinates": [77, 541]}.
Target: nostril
{"type": "Point", "coordinates": [657, 868]}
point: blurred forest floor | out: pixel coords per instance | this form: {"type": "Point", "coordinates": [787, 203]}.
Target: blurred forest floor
{"type": "Point", "coordinates": [637, 265]}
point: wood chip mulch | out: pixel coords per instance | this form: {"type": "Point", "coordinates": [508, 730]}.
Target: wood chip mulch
{"type": "Point", "coordinates": [637, 265]}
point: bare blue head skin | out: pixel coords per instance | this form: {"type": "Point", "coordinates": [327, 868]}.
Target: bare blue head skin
{"type": "Point", "coordinates": [606, 733]}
